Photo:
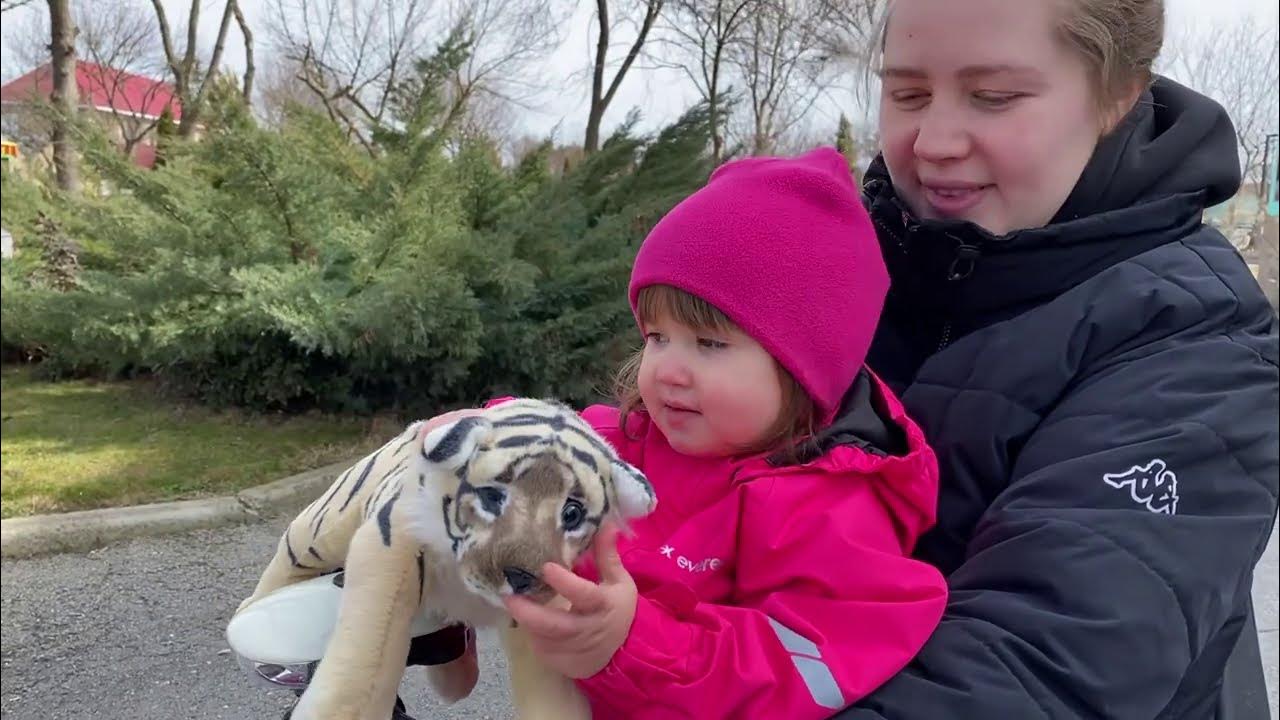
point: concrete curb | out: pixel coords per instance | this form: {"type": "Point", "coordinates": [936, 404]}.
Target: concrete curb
{"type": "Point", "coordinates": [91, 529]}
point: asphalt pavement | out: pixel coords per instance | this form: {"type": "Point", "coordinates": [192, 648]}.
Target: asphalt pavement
{"type": "Point", "coordinates": [134, 631]}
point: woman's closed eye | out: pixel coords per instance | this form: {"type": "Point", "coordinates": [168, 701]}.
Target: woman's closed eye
{"type": "Point", "coordinates": [996, 100]}
{"type": "Point", "coordinates": [910, 99]}
{"type": "Point", "coordinates": [712, 343]}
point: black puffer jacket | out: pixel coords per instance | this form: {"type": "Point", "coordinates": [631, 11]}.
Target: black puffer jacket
{"type": "Point", "coordinates": [1102, 395]}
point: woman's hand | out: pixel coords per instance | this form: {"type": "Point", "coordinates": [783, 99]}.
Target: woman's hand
{"type": "Point", "coordinates": [579, 642]}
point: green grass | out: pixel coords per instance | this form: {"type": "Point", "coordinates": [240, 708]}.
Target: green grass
{"type": "Point", "coordinates": [82, 444]}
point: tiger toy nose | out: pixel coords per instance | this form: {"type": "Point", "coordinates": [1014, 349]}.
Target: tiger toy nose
{"type": "Point", "coordinates": [520, 581]}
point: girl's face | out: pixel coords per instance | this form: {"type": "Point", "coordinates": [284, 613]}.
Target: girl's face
{"type": "Point", "coordinates": [712, 393]}
{"type": "Point", "coordinates": [985, 114]}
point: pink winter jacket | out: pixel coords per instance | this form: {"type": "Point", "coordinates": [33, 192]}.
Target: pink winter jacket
{"type": "Point", "coordinates": [769, 592]}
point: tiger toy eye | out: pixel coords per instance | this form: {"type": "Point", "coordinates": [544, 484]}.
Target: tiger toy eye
{"type": "Point", "coordinates": [491, 499]}
{"type": "Point", "coordinates": [572, 515]}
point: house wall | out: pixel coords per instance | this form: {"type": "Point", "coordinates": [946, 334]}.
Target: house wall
{"type": "Point", "coordinates": [28, 126]}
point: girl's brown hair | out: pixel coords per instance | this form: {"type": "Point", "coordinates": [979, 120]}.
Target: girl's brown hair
{"type": "Point", "coordinates": [796, 420]}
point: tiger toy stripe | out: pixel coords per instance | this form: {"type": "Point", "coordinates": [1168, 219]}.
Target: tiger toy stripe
{"type": "Point", "coordinates": [448, 521]}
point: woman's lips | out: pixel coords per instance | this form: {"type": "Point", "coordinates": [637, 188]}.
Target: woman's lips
{"type": "Point", "coordinates": [953, 199]}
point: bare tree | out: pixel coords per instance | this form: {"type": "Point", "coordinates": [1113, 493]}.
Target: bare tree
{"type": "Point", "coordinates": [783, 67]}
{"type": "Point", "coordinates": [279, 88]}
{"type": "Point", "coordinates": [487, 116]}
{"type": "Point", "coordinates": [1237, 64]}
{"type": "Point", "coordinates": [850, 36]}
{"type": "Point", "coordinates": [249, 69]}
{"type": "Point", "coordinates": [119, 39]}
{"type": "Point", "coordinates": [697, 38]}
{"type": "Point", "coordinates": [62, 46]}
{"type": "Point", "coordinates": [801, 138]}
{"type": "Point", "coordinates": [600, 96]}
{"type": "Point", "coordinates": [26, 39]}
{"type": "Point", "coordinates": [7, 5]}
{"type": "Point", "coordinates": [191, 79]}
{"type": "Point", "coordinates": [353, 54]}
{"type": "Point", "coordinates": [507, 41]}
{"type": "Point", "coordinates": [115, 42]}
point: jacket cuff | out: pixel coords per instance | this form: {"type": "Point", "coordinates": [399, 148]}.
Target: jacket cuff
{"type": "Point", "coordinates": [655, 645]}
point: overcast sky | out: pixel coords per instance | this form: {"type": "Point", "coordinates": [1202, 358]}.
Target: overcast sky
{"type": "Point", "coordinates": [660, 94]}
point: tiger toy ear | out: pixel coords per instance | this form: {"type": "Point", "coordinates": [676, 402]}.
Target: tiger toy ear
{"type": "Point", "coordinates": [451, 445]}
{"type": "Point", "coordinates": [633, 495]}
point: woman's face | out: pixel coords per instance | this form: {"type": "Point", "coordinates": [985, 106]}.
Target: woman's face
{"type": "Point", "coordinates": [985, 114]}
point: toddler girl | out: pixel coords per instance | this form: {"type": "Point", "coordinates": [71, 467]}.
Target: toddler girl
{"type": "Point", "coordinates": [774, 580]}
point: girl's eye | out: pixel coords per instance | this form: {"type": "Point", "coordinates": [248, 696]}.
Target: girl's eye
{"type": "Point", "coordinates": [572, 515]}
{"type": "Point", "coordinates": [491, 499]}
{"type": "Point", "coordinates": [996, 99]}
{"type": "Point", "coordinates": [712, 344]}
{"type": "Point", "coordinates": [654, 337]}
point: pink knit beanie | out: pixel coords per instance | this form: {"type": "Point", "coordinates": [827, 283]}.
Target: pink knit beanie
{"type": "Point", "coordinates": [784, 248]}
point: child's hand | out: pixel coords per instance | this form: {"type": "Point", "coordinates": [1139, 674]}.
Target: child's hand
{"type": "Point", "coordinates": [580, 641]}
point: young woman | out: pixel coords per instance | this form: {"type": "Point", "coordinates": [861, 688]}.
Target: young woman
{"type": "Point", "coordinates": [1094, 366]}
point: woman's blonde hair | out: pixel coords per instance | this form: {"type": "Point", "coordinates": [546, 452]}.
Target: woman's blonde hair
{"type": "Point", "coordinates": [796, 420]}
{"type": "Point", "coordinates": [1118, 40]}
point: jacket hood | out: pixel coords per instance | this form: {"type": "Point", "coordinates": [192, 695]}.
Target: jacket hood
{"type": "Point", "coordinates": [872, 436]}
{"type": "Point", "coordinates": [1147, 184]}
{"type": "Point", "coordinates": [1174, 142]}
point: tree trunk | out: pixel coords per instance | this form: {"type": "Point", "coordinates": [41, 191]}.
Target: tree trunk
{"type": "Point", "coordinates": [600, 98]}
{"type": "Point", "coordinates": [62, 46]}
{"type": "Point", "coordinates": [591, 143]}
{"type": "Point", "coordinates": [713, 105]}
{"type": "Point", "coordinates": [717, 141]}
{"type": "Point", "coordinates": [186, 68]}
{"type": "Point", "coordinates": [191, 119]}
{"type": "Point", "coordinates": [248, 53]}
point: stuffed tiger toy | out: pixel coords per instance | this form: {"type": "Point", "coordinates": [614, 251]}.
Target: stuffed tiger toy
{"type": "Point", "coordinates": [449, 522]}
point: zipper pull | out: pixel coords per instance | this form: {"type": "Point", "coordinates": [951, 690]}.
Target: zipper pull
{"type": "Point", "coordinates": [965, 261]}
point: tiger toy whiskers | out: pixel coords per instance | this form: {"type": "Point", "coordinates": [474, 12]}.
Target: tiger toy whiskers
{"type": "Point", "coordinates": [448, 522]}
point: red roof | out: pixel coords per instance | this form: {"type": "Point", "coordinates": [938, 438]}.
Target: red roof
{"type": "Point", "coordinates": [100, 87]}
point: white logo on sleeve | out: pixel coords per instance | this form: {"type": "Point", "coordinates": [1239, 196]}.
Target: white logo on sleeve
{"type": "Point", "coordinates": [1153, 485]}
{"type": "Point", "coordinates": [684, 563]}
